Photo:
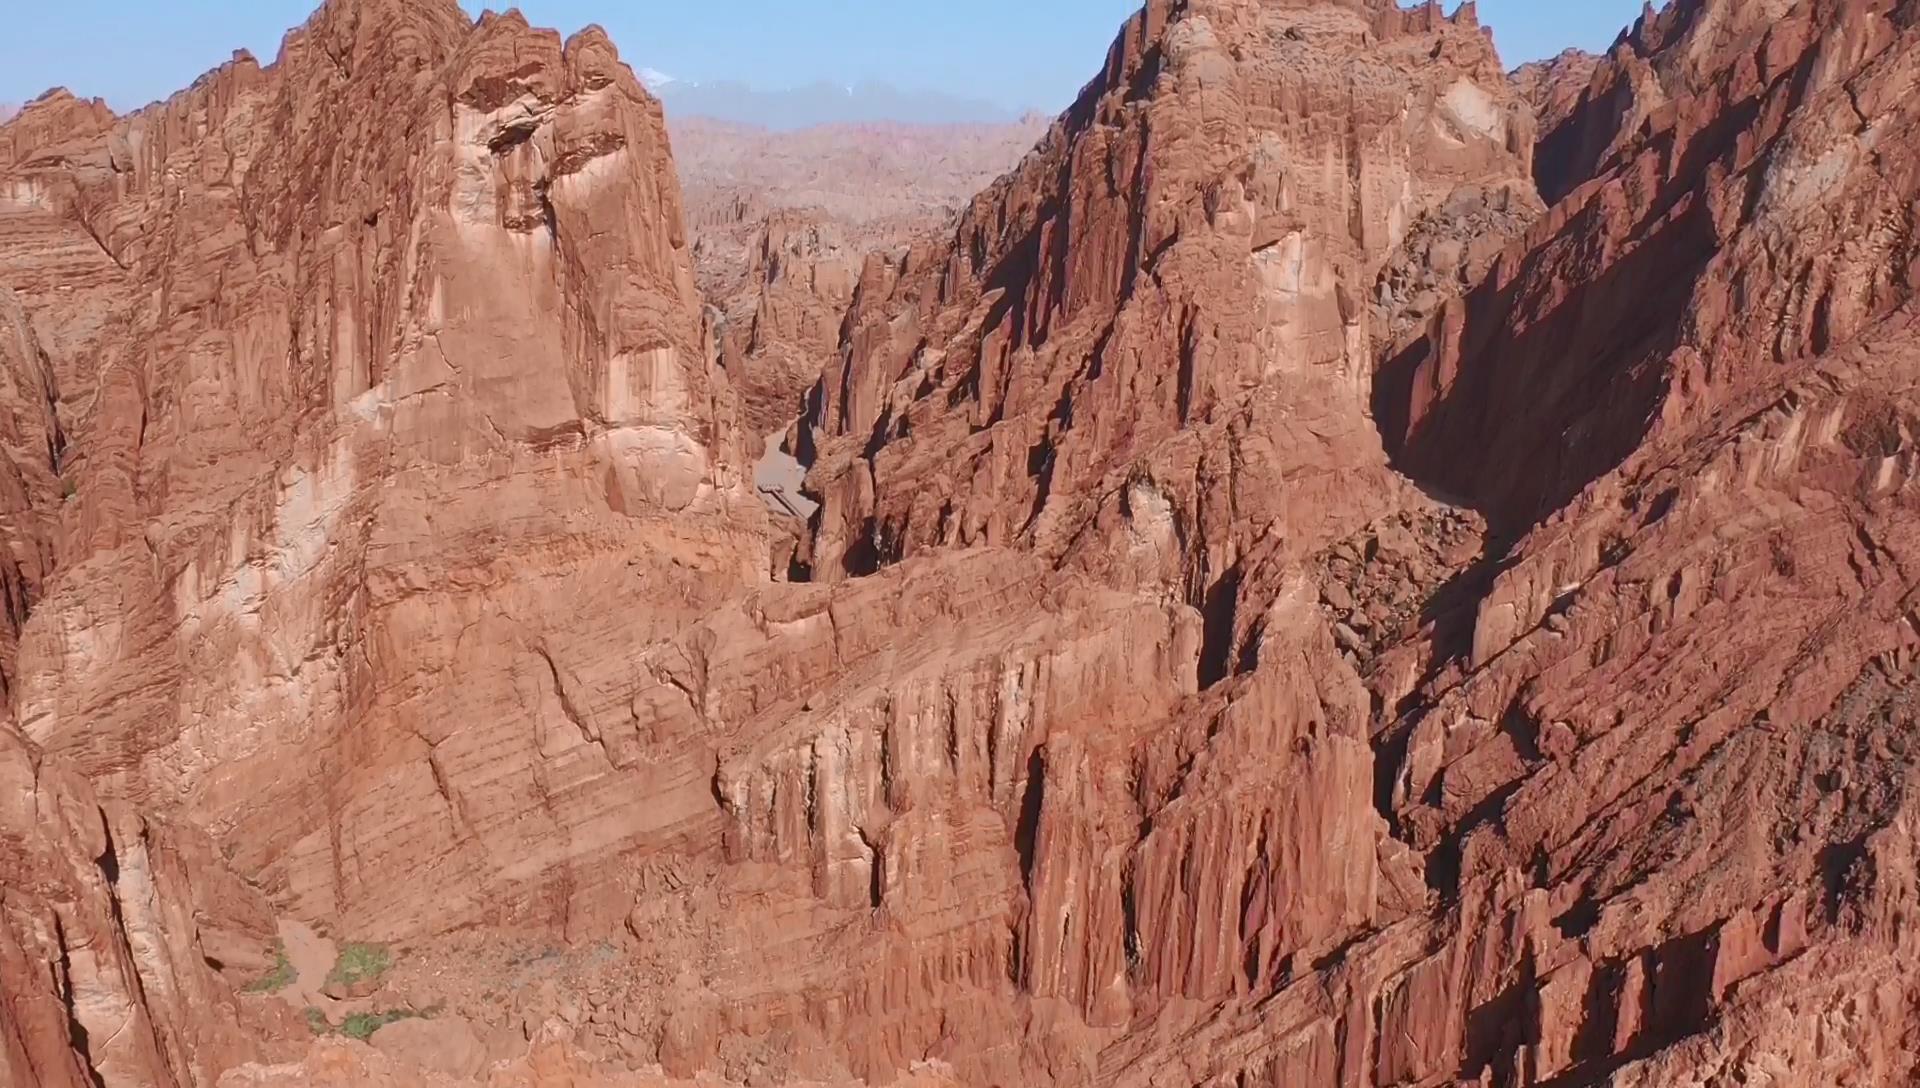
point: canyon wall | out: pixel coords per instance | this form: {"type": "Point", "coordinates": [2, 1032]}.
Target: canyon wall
{"type": "Point", "coordinates": [1341, 568]}
{"type": "Point", "coordinates": [782, 222]}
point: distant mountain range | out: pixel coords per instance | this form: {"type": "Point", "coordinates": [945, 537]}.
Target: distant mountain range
{"type": "Point", "coordinates": [821, 103]}
{"type": "Point", "coordinates": [803, 107]}
{"type": "Point", "coordinates": [815, 104]}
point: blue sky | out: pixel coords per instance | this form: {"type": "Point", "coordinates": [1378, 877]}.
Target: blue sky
{"type": "Point", "coordinates": [1018, 53]}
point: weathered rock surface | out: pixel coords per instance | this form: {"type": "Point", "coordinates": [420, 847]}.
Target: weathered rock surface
{"type": "Point", "coordinates": [1447, 249]}
{"type": "Point", "coordinates": [327, 323]}
{"type": "Point", "coordinates": [1553, 87]}
{"type": "Point", "coordinates": [782, 326]}
{"type": "Point", "coordinates": [552, 1062]}
{"type": "Point", "coordinates": [1645, 806]}
{"type": "Point", "coordinates": [1150, 346]}
{"type": "Point", "coordinates": [1230, 657]}
{"type": "Point", "coordinates": [113, 929]}
{"type": "Point", "coordinates": [881, 184]}
{"type": "Point", "coordinates": [1666, 717]}
{"type": "Point", "coordinates": [782, 222]}
{"type": "Point", "coordinates": [299, 340]}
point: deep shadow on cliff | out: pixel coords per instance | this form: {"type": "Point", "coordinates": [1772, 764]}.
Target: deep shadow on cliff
{"type": "Point", "coordinates": [1186, 694]}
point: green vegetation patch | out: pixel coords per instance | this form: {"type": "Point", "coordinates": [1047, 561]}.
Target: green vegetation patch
{"type": "Point", "coordinates": [358, 963]}
{"type": "Point", "coordinates": [362, 1025]}
{"type": "Point", "coordinates": [277, 979]}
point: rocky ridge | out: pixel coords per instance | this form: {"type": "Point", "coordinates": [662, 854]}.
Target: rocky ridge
{"type": "Point", "coordinates": [1629, 875]}
{"type": "Point", "coordinates": [783, 221]}
{"type": "Point", "coordinates": [1214, 669]}
{"type": "Point", "coordinates": [884, 183]}
{"type": "Point", "coordinates": [1553, 87]}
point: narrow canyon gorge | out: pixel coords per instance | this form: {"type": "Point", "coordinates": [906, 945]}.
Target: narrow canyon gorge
{"type": "Point", "coordinates": [1330, 564]}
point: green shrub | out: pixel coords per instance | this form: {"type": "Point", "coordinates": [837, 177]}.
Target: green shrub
{"type": "Point", "coordinates": [279, 978]}
{"type": "Point", "coordinates": [362, 1025]}
{"type": "Point", "coordinates": [359, 962]}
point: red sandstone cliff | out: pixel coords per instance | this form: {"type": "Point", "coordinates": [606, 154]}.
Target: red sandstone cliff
{"type": "Point", "coordinates": [1156, 320]}
{"type": "Point", "coordinates": [784, 327]}
{"type": "Point", "coordinates": [881, 183]}
{"type": "Point", "coordinates": [782, 221]}
{"type": "Point", "coordinates": [113, 932]}
{"type": "Point", "coordinates": [1553, 87]}
{"type": "Point", "coordinates": [339, 382]}
{"type": "Point", "coordinates": [1667, 701]}
{"type": "Point", "coordinates": [1613, 749]}
{"type": "Point", "coordinates": [1231, 659]}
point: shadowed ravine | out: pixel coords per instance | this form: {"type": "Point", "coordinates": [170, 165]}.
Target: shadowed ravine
{"type": "Point", "coordinates": [1287, 605]}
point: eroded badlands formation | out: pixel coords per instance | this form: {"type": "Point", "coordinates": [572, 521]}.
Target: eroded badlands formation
{"type": "Point", "coordinates": [782, 222]}
{"type": "Point", "coordinates": [1342, 568]}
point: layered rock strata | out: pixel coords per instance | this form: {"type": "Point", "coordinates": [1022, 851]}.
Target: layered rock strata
{"type": "Point", "coordinates": [1216, 668]}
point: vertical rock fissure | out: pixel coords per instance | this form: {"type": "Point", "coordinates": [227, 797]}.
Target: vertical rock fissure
{"type": "Point", "coordinates": [76, 1031]}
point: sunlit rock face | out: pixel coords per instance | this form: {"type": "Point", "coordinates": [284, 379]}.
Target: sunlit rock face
{"type": "Point", "coordinates": [1287, 606]}
{"type": "Point", "coordinates": [393, 340]}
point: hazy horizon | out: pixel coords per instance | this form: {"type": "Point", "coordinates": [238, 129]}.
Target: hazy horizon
{"type": "Point", "coordinates": [986, 60]}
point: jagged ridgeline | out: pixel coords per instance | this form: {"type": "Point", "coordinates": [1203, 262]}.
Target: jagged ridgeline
{"type": "Point", "coordinates": [1344, 568]}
